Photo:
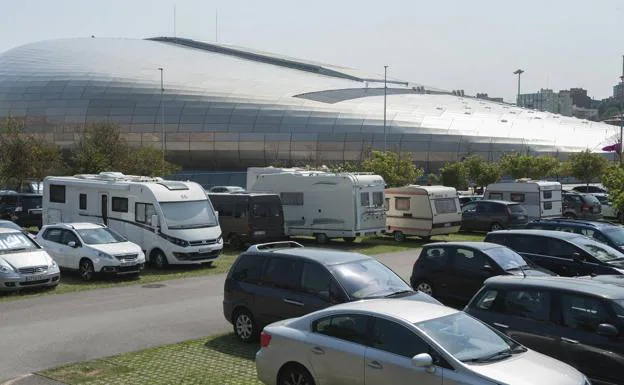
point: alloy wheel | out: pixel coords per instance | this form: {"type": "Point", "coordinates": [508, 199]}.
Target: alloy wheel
{"type": "Point", "coordinates": [244, 327]}
{"type": "Point", "coordinates": [425, 288]}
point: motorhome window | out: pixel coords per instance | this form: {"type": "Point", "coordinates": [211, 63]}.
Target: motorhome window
{"type": "Point", "coordinates": [82, 201]}
{"type": "Point", "coordinates": [445, 205]}
{"type": "Point", "coordinates": [120, 205]}
{"type": "Point", "coordinates": [188, 214]}
{"type": "Point", "coordinates": [547, 194]}
{"type": "Point", "coordinates": [292, 198]}
{"type": "Point", "coordinates": [547, 205]}
{"type": "Point", "coordinates": [516, 197]}
{"type": "Point", "coordinates": [365, 199]}
{"type": "Point", "coordinates": [378, 198]}
{"type": "Point", "coordinates": [402, 204]}
{"type": "Point", "coordinates": [143, 212]}
{"type": "Point", "coordinates": [57, 193]}
{"type": "Point", "coordinates": [387, 204]}
{"type": "Point", "coordinates": [496, 196]}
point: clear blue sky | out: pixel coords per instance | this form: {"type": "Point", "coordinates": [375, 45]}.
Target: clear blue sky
{"type": "Point", "coordinates": [451, 44]}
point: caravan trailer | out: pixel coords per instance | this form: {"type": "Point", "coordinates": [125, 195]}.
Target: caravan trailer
{"type": "Point", "coordinates": [328, 205]}
{"type": "Point", "coordinates": [541, 199]}
{"type": "Point", "coordinates": [173, 222]}
{"type": "Point", "coordinates": [422, 211]}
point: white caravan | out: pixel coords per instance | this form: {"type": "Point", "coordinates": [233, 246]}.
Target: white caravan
{"type": "Point", "coordinates": [422, 211]}
{"type": "Point", "coordinates": [327, 205]}
{"type": "Point", "coordinates": [541, 199]}
{"type": "Point", "coordinates": [173, 222]}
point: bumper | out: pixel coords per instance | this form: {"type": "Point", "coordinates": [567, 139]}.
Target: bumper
{"type": "Point", "coordinates": [22, 282]}
{"type": "Point", "coordinates": [265, 368]}
{"type": "Point", "coordinates": [228, 308]}
{"type": "Point", "coordinates": [122, 270]}
{"type": "Point", "coordinates": [188, 258]}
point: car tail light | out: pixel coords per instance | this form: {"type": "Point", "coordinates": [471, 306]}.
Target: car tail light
{"type": "Point", "coordinates": [265, 339]}
{"type": "Point", "coordinates": [585, 207]}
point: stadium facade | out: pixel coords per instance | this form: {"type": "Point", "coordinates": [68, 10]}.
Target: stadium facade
{"type": "Point", "coordinates": [225, 107]}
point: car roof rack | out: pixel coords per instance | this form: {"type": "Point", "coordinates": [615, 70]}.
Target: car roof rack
{"type": "Point", "coordinates": [275, 246]}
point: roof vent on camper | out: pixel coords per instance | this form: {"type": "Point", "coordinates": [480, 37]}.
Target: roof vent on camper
{"type": "Point", "coordinates": [523, 180]}
{"type": "Point", "coordinates": [111, 175]}
{"type": "Point", "coordinates": [173, 185]}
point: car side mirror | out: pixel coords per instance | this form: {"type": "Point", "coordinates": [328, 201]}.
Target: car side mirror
{"type": "Point", "coordinates": [423, 360]}
{"type": "Point", "coordinates": [154, 221]}
{"type": "Point", "coordinates": [607, 330]}
{"type": "Point", "coordinates": [488, 268]}
{"type": "Point", "coordinates": [72, 244]}
{"type": "Point", "coordinates": [216, 214]}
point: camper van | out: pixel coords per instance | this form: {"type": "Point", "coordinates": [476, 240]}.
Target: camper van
{"type": "Point", "coordinates": [422, 211]}
{"type": "Point", "coordinates": [327, 205]}
{"type": "Point", "coordinates": [173, 222]}
{"type": "Point", "coordinates": [249, 217]}
{"type": "Point", "coordinates": [541, 199]}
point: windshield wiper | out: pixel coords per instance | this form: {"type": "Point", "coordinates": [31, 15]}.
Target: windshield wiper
{"type": "Point", "coordinates": [506, 353]}
{"type": "Point", "coordinates": [400, 292]}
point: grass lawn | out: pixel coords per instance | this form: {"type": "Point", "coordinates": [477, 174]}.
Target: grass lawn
{"type": "Point", "coordinates": [71, 282]}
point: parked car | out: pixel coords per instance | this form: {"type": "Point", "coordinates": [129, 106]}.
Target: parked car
{"type": "Point", "coordinates": [14, 226]}
{"type": "Point", "coordinates": [91, 248]}
{"type": "Point", "coordinates": [25, 209]}
{"type": "Point", "coordinates": [400, 342]}
{"type": "Point", "coordinates": [463, 199]}
{"type": "Point", "coordinates": [486, 215]}
{"type": "Point", "coordinates": [226, 189]}
{"type": "Point", "coordinates": [456, 270]}
{"type": "Point", "coordinates": [577, 205]}
{"type": "Point", "coordinates": [605, 232]}
{"type": "Point", "coordinates": [279, 280]}
{"type": "Point", "coordinates": [606, 207]}
{"type": "Point", "coordinates": [579, 321]}
{"type": "Point", "coordinates": [590, 189]}
{"type": "Point", "coordinates": [24, 264]}
{"type": "Point", "coordinates": [563, 253]}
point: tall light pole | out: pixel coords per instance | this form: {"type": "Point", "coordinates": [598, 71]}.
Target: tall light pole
{"type": "Point", "coordinates": [162, 117]}
{"type": "Point", "coordinates": [385, 96]}
{"type": "Point", "coordinates": [518, 72]}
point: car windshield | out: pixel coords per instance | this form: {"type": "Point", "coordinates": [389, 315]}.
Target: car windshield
{"type": "Point", "coordinates": [616, 235]}
{"type": "Point", "coordinates": [600, 251]}
{"type": "Point", "coordinates": [619, 309]}
{"type": "Point", "coordinates": [10, 225]}
{"type": "Point", "coordinates": [368, 279]}
{"type": "Point", "coordinates": [517, 209]}
{"type": "Point", "coordinates": [506, 258]}
{"type": "Point", "coordinates": [188, 215]}
{"type": "Point", "coordinates": [100, 236]}
{"type": "Point", "coordinates": [15, 242]}
{"type": "Point", "coordinates": [468, 339]}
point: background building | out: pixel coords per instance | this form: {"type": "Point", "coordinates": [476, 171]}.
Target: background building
{"type": "Point", "coordinates": [548, 100]}
{"type": "Point", "coordinates": [225, 107]}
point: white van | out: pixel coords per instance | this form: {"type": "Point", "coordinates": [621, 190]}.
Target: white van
{"type": "Point", "coordinates": [541, 199]}
{"type": "Point", "coordinates": [422, 211]}
{"type": "Point", "coordinates": [173, 222]}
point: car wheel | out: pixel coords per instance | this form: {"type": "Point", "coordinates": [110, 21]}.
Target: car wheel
{"type": "Point", "coordinates": [321, 238]}
{"type": "Point", "coordinates": [425, 287]}
{"type": "Point", "coordinates": [159, 260]}
{"type": "Point", "coordinates": [295, 375]}
{"type": "Point", "coordinates": [236, 242]}
{"type": "Point", "coordinates": [245, 327]}
{"type": "Point", "coordinates": [86, 269]}
{"type": "Point", "coordinates": [496, 226]}
{"type": "Point", "coordinates": [349, 239]}
{"type": "Point", "coordinates": [399, 236]}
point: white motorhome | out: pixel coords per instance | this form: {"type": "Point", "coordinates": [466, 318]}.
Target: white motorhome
{"type": "Point", "coordinates": [541, 199]}
{"type": "Point", "coordinates": [422, 211]}
{"type": "Point", "coordinates": [327, 205]}
{"type": "Point", "coordinates": [173, 222]}
{"type": "Point", "coordinates": [253, 173]}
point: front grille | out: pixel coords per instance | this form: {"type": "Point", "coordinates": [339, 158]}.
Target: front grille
{"type": "Point", "coordinates": [33, 270]}
{"type": "Point", "coordinates": [130, 257]}
{"type": "Point", "coordinates": [32, 283]}
{"type": "Point", "coordinates": [197, 256]}
{"type": "Point", "coordinates": [203, 242]}
{"type": "Point", "coordinates": [126, 269]}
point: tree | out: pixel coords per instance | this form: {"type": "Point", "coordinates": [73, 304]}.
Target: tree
{"type": "Point", "coordinates": [587, 166]}
{"type": "Point", "coordinates": [454, 175]}
{"type": "Point", "coordinates": [345, 167]}
{"type": "Point", "coordinates": [543, 166]}
{"type": "Point", "coordinates": [396, 169]}
{"type": "Point", "coordinates": [481, 172]}
{"type": "Point", "coordinates": [433, 179]}
{"type": "Point", "coordinates": [516, 165]}
{"type": "Point", "coordinates": [490, 173]}
{"type": "Point", "coordinates": [613, 180]}
{"type": "Point", "coordinates": [148, 161]}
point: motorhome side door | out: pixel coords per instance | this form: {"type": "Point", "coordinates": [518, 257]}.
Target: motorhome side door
{"type": "Point", "coordinates": [104, 208]}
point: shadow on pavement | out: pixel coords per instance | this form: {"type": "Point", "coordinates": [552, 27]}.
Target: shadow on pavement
{"type": "Point", "coordinates": [230, 345]}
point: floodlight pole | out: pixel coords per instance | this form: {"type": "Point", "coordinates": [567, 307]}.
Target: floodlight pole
{"type": "Point", "coordinates": [162, 120]}
{"type": "Point", "coordinates": [518, 72]}
{"type": "Point", "coordinates": [385, 97]}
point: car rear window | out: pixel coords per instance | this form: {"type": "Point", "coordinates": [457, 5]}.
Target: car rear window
{"type": "Point", "coordinates": [517, 209]}
{"type": "Point", "coordinates": [590, 199]}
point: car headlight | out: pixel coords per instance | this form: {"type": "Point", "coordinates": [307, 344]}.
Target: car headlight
{"type": "Point", "coordinates": [220, 239]}
{"type": "Point", "coordinates": [6, 269]}
{"type": "Point", "coordinates": [53, 264]}
{"type": "Point", "coordinates": [587, 382]}
{"type": "Point", "coordinates": [104, 255]}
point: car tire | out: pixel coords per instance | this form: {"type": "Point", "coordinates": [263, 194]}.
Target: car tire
{"type": "Point", "coordinates": [496, 226]}
{"type": "Point", "coordinates": [245, 327]}
{"type": "Point", "coordinates": [295, 374]}
{"type": "Point", "coordinates": [236, 242]}
{"type": "Point", "coordinates": [86, 269]}
{"type": "Point", "coordinates": [399, 236]}
{"type": "Point", "coordinates": [321, 238]}
{"type": "Point", "coordinates": [159, 260]}
{"type": "Point", "coordinates": [348, 239]}
{"type": "Point", "coordinates": [425, 287]}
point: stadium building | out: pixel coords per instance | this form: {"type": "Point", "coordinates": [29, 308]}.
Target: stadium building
{"type": "Point", "coordinates": [225, 107]}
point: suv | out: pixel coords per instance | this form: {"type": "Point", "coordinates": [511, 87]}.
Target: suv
{"type": "Point", "coordinates": [577, 320]}
{"type": "Point", "coordinates": [457, 269]}
{"type": "Point", "coordinates": [589, 189]}
{"type": "Point", "coordinates": [91, 248]}
{"type": "Point", "coordinates": [605, 232]}
{"type": "Point", "coordinates": [274, 281]}
{"type": "Point", "coordinates": [577, 205]}
{"type": "Point", "coordinates": [486, 215]}
{"type": "Point", "coordinates": [21, 208]}
{"type": "Point", "coordinates": [563, 253]}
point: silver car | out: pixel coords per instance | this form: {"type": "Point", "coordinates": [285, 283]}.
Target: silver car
{"type": "Point", "coordinates": [395, 341]}
{"type": "Point", "coordinates": [23, 263]}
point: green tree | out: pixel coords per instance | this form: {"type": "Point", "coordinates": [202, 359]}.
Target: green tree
{"type": "Point", "coordinates": [515, 165]}
{"type": "Point", "coordinates": [148, 161]}
{"type": "Point", "coordinates": [613, 180]}
{"type": "Point", "coordinates": [490, 173]}
{"type": "Point", "coordinates": [587, 166]}
{"type": "Point", "coordinates": [396, 169]}
{"type": "Point", "coordinates": [454, 175]}
{"type": "Point", "coordinates": [433, 179]}
{"type": "Point", "coordinates": [345, 167]}
{"type": "Point", "coordinates": [543, 166]}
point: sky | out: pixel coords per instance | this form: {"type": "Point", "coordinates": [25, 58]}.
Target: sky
{"type": "Point", "coordinates": [474, 45]}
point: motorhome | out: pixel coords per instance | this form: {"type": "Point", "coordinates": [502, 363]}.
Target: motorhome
{"type": "Point", "coordinates": [421, 211]}
{"type": "Point", "coordinates": [327, 205]}
{"type": "Point", "coordinates": [253, 173]}
{"type": "Point", "coordinates": [541, 199]}
{"type": "Point", "coordinates": [173, 221]}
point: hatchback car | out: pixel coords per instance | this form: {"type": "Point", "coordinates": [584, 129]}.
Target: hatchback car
{"type": "Point", "coordinates": [279, 280]}
{"type": "Point", "coordinates": [605, 232]}
{"type": "Point", "coordinates": [563, 253]}
{"type": "Point", "coordinates": [577, 205]}
{"type": "Point", "coordinates": [398, 342]}
{"type": "Point", "coordinates": [24, 264]}
{"type": "Point", "coordinates": [456, 270]}
{"type": "Point", "coordinates": [486, 215]}
{"type": "Point", "coordinates": [576, 320]}
{"type": "Point", "coordinates": [91, 248]}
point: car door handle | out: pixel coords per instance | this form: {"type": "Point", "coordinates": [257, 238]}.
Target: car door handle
{"type": "Point", "coordinates": [568, 340]}
{"type": "Point", "coordinates": [317, 350]}
{"type": "Point", "coordinates": [291, 302]}
{"type": "Point", "coordinates": [503, 326]}
{"type": "Point", "coordinates": [375, 365]}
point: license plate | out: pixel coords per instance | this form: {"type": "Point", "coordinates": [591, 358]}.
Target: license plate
{"type": "Point", "coordinates": [447, 225]}
{"type": "Point", "coordinates": [521, 217]}
{"type": "Point", "coordinates": [259, 232]}
{"type": "Point", "coordinates": [126, 263]}
{"type": "Point", "coordinates": [204, 250]}
{"type": "Point", "coordinates": [34, 277]}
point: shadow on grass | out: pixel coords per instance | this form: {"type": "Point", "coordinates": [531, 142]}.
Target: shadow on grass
{"type": "Point", "coordinates": [230, 345]}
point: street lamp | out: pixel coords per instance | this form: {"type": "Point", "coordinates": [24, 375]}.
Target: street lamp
{"type": "Point", "coordinates": [518, 72]}
{"type": "Point", "coordinates": [162, 120]}
{"type": "Point", "coordinates": [385, 96]}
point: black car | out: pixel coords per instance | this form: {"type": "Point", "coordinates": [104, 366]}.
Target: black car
{"type": "Point", "coordinates": [605, 232]}
{"type": "Point", "coordinates": [282, 280]}
{"type": "Point", "coordinates": [25, 209]}
{"type": "Point", "coordinates": [579, 321]}
{"type": "Point", "coordinates": [456, 270]}
{"type": "Point", "coordinates": [577, 205]}
{"type": "Point", "coordinates": [563, 253]}
{"type": "Point", "coordinates": [486, 215]}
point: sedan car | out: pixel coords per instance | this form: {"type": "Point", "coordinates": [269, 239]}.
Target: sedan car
{"type": "Point", "coordinates": [381, 341]}
{"type": "Point", "coordinates": [24, 264]}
